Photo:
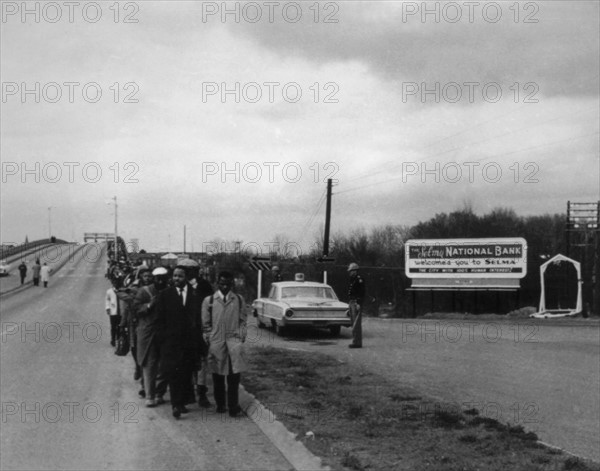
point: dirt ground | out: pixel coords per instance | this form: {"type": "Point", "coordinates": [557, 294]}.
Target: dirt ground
{"type": "Point", "coordinates": [355, 419]}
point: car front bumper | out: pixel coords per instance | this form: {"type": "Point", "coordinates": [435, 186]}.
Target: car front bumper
{"type": "Point", "coordinates": [288, 322]}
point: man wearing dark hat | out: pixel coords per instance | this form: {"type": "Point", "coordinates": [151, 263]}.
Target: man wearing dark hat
{"type": "Point", "coordinates": [276, 274]}
{"type": "Point", "coordinates": [356, 295]}
{"type": "Point", "coordinates": [22, 272]}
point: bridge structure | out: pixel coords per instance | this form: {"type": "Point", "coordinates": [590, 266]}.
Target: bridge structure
{"type": "Point", "coordinates": [94, 236]}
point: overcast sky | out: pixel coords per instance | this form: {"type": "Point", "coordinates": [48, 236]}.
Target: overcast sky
{"type": "Point", "coordinates": [399, 155]}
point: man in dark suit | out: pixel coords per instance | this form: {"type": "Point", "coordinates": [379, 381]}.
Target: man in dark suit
{"type": "Point", "coordinates": [23, 272]}
{"type": "Point", "coordinates": [178, 313]}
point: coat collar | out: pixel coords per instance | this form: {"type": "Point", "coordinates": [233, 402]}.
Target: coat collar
{"type": "Point", "coordinates": [219, 295]}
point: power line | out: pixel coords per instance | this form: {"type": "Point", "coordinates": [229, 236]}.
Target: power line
{"type": "Point", "coordinates": [307, 225]}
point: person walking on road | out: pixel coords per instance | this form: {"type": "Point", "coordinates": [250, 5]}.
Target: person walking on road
{"type": "Point", "coordinates": [224, 325]}
{"type": "Point", "coordinates": [112, 309]}
{"type": "Point", "coordinates": [22, 272]}
{"type": "Point", "coordinates": [356, 295]}
{"type": "Point", "coordinates": [144, 307]}
{"type": "Point", "coordinates": [203, 289]}
{"type": "Point", "coordinates": [45, 274]}
{"type": "Point", "coordinates": [178, 307]}
{"type": "Point", "coordinates": [36, 272]}
{"type": "Point", "coordinates": [129, 320]}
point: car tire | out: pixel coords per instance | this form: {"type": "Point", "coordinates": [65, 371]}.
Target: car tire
{"type": "Point", "coordinates": [335, 330]}
{"type": "Point", "coordinates": [279, 330]}
{"type": "Point", "coordinates": [259, 323]}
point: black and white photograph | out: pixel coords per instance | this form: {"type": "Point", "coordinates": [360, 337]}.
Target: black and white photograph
{"type": "Point", "coordinates": [300, 235]}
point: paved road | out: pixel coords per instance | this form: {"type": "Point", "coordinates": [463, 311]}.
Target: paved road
{"type": "Point", "coordinates": [53, 255]}
{"type": "Point", "coordinates": [69, 403]}
{"type": "Point", "coordinates": [544, 377]}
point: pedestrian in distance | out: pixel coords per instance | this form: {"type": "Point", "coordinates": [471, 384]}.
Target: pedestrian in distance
{"type": "Point", "coordinates": [22, 272]}
{"type": "Point", "coordinates": [178, 308]}
{"type": "Point", "coordinates": [45, 274]}
{"type": "Point", "coordinates": [36, 272]}
{"type": "Point", "coordinates": [224, 325]}
{"type": "Point", "coordinates": [356, 295]}
{"type": "Point", "coordinates": [112, 310]}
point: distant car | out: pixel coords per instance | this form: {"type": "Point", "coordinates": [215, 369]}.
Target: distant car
{"type": "Point", "coordinates": [4, 267]}
{"type": "Point", "coordinates": [308, 303]}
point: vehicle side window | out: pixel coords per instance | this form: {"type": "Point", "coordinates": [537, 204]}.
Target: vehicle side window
{"type": "Point", "coordinates": [272, 292]}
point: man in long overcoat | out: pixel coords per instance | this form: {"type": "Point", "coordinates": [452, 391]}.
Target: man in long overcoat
{"type": "Point", "coordinates": [148, 348]}
{"type": "Point", "coordinates": [36, 272]}
{"type": "Point", "coordinates": [180, 348]}
{"type": "Point", "coordinates": [22, 272]}
{"type": "Point", "coordinates": [224, 326]}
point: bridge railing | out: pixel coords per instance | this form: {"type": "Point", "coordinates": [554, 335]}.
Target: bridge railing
{"type": "Point", "coordinates": [15, 250]}
{"type": "Point", "coordinates": [105, 236]}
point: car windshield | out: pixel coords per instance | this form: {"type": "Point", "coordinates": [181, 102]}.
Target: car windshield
{"type": "Point", "coordinates": [307, 292]}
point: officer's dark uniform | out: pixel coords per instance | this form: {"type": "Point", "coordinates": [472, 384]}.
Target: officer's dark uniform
{"type": "Point", "coordinates": [356, 295]}
{"type": "Point", "coordinates": [23, 272]}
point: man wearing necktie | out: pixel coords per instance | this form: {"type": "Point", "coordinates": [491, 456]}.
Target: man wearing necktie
{"type": "Point", "coordinates": [178, 313]}
{"type": "Point", "coordinates": [224, 326]}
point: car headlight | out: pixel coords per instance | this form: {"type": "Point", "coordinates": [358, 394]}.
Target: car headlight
{"type": "Point", "coordinates": [289, 313]}
{"type": "Point", "coordinates": [348, 313]}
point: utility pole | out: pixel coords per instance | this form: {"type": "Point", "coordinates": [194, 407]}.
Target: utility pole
{"type": "Point", "coordinates": [582, 234]}
{"type": "Point", "coordinates": [327, 225]}
{"type": "Point", "coordinates": [184, 238]}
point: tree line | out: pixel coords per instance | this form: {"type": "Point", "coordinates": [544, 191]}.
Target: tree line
{"type": "Point", "coordinates": [380, 253]}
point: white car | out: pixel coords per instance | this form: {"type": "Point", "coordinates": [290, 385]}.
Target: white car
{"type": "Point", "coordinates": [4, 267]}
{"type": "Point", "coordinates": [293, 303]}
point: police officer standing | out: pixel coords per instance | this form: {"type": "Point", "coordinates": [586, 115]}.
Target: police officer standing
{"type": "Point", "coordinates": [356, 295]}
{"type": "Point", "coordinates": [276, 274]}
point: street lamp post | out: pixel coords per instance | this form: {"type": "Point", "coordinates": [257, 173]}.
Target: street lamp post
{"type": "Point", "coordinates": [114, 198]}
{"type": "Point", "coordinates": [116, 236]}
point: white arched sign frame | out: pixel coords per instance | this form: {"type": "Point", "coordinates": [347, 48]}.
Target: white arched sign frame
{"type": "Point", "coordinates": [543, 312]}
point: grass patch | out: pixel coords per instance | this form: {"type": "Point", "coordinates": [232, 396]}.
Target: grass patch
{"type": "Point", "coordinates": [351, 461]}
{"type": "Point", "coordinates": [573, 463]}
{"type": "Point", "coordinates": [361, 421]}
{"type": "Point", "coordinates": [468, 438]}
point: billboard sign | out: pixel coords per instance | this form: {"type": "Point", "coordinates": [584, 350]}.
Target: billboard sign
{"type": "Point", "coordinates": [466, 258]}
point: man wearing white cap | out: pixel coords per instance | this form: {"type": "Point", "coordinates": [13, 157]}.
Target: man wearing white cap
{"type": "Point", "coordinates": [356, 295]}
{"type": "Point", "coordinates": [148, 348]}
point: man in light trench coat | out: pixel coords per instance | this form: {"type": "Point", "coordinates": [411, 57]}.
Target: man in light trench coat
{"type": "Point", "coordinates": [224, 326]}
